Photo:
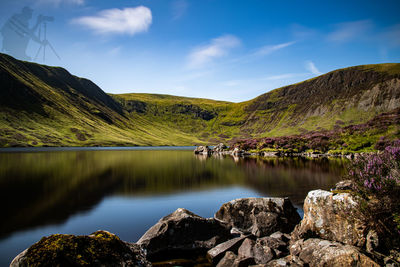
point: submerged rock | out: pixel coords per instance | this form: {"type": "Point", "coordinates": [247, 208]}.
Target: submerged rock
{"type": "Point", "coordinates": [182, 232]}
{"type": "Point", "coordinates": [98, 249]}
{"type": "Point", "coordinates": [318, 252]}
{"type": "Point", "coordinates": [259, 216]}
{"type": "Point", "coordinates": [330, 216]}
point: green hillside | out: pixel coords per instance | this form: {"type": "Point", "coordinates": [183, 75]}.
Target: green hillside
{"type": "Point", "coordinates": [47, 106]}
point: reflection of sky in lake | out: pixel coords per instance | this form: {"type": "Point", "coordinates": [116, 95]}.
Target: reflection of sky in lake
{"type": "Point", "coordinates": [128, 217]}
{"type": "Point", "coordinates": [126, 192]}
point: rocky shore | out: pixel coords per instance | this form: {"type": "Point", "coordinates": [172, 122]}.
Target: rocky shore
{"type": "Point", "coordinates": [243, 232]}
{"type": "Point", "coordinates": [222, 149]}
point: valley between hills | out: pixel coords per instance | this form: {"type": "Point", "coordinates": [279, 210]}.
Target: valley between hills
{"type": "Point", "coordinates": [47, 106]}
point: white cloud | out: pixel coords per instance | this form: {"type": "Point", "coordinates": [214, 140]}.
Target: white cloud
{"type": "Point", "coordinates": [118, 21]}
{"type": "Point", "coordinates": [349, 30]}
{"type": "Point", "coordinates": [179, 8]}
{"type": "Point", "coordinates": [310, 66]}
{"type": "Point", "coordinates": [268, 49]}
{"type": "Point", "coordinates": [217, 48]}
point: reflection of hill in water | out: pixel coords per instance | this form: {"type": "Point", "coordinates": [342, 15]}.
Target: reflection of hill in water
{"type": "Point", "coordinates": [42, 188]}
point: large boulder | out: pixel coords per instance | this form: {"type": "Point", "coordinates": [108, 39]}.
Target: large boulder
{"type": "Point", "coordinates": [98, 249]}
{"type": "Point", "coordinates": [331, 216]}
{"type": "Point", "coordinates": [182, 232]}
{"type": "Point", "coordinates": [319, 252]}
{"type": "Point", "coordinates": [259, 216]}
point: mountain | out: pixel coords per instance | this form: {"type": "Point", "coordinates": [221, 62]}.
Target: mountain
{"type": "Point", "coordinates": [47, 106]}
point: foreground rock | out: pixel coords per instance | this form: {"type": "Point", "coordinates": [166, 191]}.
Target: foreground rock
{"type": "Point", "coordinates": [98, 249]}
{"type": "Point", "coordinates": [182, 232]}
{"type": "Point", "coordinates": [318, 252]}
{"type": "Point", "coordinates": [330, 216]}
{"type": "Point", "coordinates": [259, 216]}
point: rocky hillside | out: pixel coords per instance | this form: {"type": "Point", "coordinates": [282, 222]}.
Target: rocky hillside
{"type": "Point", "coordinates": [47, 106]}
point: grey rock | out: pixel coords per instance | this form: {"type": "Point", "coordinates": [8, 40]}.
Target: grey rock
{"type": "Point", "coordinates": [243, 262]}
{"type": "Point", "coordinates": [183, 230]}
{"type": "Point", "coordinates": [262, 253]}
{"type": "Point", "coordinates": [228, 260]}
{"type": "Point", "coordinates": [220, 148]}
{"type": "Point", "coordinates": [98, 249]}
{"type": "Point", "coordinates": [215, 254]}
{"type": "Point", "coordinates": [330, 216]}
{"type": "Point", "coordinates": [246, 249]}
{"type": "Point", "coordinates": [259, 216]}
{"type": "Point", "coordinates": [237, 152]}
{"type": "Point", "coordinates": [289, 260]}
{"type": "Point", "coordinates": [319, 252]}
{"type": "Point", "coordinates": [372, 241]}
{"type": "Point", "coordinates": [281, 236]}
{"type": "Point", "coordinates": [344, 185]}
{"type": "Point", "coordinates": [203, 150]}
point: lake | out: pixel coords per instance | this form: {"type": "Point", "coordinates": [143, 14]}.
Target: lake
{"type": "Point", "coordinates": [127, 190]}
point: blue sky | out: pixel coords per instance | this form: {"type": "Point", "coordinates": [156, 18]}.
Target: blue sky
{"type": "Point", "coordinates": [221, 49]}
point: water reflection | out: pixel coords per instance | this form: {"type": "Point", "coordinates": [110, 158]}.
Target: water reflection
{"type": "Point", "coordinates": [48, 187]}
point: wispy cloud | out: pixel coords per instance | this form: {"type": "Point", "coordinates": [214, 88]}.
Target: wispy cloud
{"type": "Point", "coordinates": [268, 49]}
{"type": "Point", "coordinates": [349, 30]}
{"type": "Point", "coordinates": [310, 66]}
{"type": "Point", "coordinates": [179, 8]}
{"type": "Point", "coordinates": [130, 21]}
{"type": "Point", "coordinates": [391, 35]}
{"type": "Point", "coordinates": [115, 51]}
{"type": "Point", "coordinates": [216, 48]}
{"type": "Point", "coordinates": [280, 77]}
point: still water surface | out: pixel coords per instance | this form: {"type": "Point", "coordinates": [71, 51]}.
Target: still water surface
{"type": "Point", "coordinates": [125, 191]}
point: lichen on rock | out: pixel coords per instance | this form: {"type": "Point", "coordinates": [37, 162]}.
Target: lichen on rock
{"type": "Point", "coordinates": [101, 248]}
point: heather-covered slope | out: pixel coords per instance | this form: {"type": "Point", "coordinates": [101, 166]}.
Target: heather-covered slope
{"type": "Point", "coordinates": [47, 106]}
{"type": "Point", "coordinates": [341, 97]}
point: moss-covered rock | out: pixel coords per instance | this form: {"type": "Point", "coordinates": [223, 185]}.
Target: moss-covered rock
{"type": "Point", "coordinates": [101, 248]}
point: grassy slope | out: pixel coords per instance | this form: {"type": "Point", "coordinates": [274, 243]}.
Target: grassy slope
{"type": "Point", "coordinates": [42, 105]}
{"type": "Point", "coordinates": [339, 98]}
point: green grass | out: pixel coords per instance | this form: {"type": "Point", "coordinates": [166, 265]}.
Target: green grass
{"type": "Point", "coordinates": [47, 104]}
